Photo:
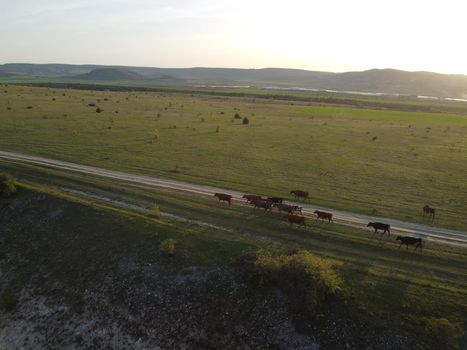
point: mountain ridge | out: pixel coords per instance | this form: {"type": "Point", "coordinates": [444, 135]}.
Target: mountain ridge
{"type": "Point", "coordinates": [388, 80]}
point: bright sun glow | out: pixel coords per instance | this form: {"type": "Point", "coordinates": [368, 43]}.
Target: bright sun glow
{"type": "Point", "coordinates": [334, 35]}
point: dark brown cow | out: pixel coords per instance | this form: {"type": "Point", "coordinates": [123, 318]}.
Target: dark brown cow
{"type": "Point", "coordinates": [284, 207]}
{"type": "Point", "coordinates": [417, 242]}
{"type": "Point", "coordinates": [295, 219]}
{"type": "Point", "coordinates": [223, 197]}
{"type": "Point", "coordinates": [323, 215]}
{"type": "Point", "coordinates": [287, 208]}
{"type": "Point", "coordinates": [300, 194]}
{"type": "Point", "coordinates": [427, 210]}
{"type": "Point", "coordinates": [380, 226]}
{"type": "Point", "coordinates": [275, 199]}
{"type": "Point", "coordinates": [261, 203]}
{"type": "Point", "coordinates": [250, 197]}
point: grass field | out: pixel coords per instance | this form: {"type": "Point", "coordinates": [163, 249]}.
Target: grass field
{"type": "Point", "coordinates": [386, 287]}
{"type": "Point", "coordinates": [381, 162]}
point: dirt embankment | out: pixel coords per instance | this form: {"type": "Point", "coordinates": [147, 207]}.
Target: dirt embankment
{"type": "Point", "coordinates": [70, 283]}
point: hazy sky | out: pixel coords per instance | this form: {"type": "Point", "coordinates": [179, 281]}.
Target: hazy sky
{"type": "Point", "coordinates": [331, 35]}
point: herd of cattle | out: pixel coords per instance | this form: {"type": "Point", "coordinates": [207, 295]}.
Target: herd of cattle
{"type": "Point", "coordinates": [291, 213]}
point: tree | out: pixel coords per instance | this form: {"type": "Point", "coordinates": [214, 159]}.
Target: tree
{"type": "Point", "coordinates": [7, 185]}
{"type": "Point", "coordinates": [245, 121]}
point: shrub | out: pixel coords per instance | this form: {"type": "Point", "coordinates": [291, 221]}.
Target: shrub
{"type": "Point", "coordinates": [237, 116]}
{"type": "Point", "coordinates": [156, 209]}
{"type": "Point", "coordinates": [7, 185]}
{"type": "Point", "coordinates": [168, 246]}
{"type": "Point", "coordinates": [443, 332]}
{"type": "Point", "coordinates": [245, 121]}
{"type": "Point", "coordinates": [308, 279]}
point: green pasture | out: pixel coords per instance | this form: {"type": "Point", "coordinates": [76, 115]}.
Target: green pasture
{"type": "Point", "coordinates": [376, 161]}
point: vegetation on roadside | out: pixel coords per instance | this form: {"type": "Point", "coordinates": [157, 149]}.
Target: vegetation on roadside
{"type": "Point", "coordinates": [156, 210]}
{"type": "Point", "coordinates": [309, 280]}
{"type": "Point", "coordinates": [7, 185]}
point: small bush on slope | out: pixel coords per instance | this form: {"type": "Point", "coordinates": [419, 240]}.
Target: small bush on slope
{"type": "Point", "coordinates": [7, 185]}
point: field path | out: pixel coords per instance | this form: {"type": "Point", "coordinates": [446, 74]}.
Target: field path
{"type": "Point", "coordinates": [437, 234]}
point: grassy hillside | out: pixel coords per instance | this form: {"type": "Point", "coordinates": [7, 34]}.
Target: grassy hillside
{"type": "Point", "coordinates": [90, 258]}
{"type": "Point", "coordinates": [382, 162]}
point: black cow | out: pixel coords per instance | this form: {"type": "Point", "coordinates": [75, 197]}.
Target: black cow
{"type": "Point", "coordinates": [380, 226]}
{"type": "Point", "coordinates": [417, 242]}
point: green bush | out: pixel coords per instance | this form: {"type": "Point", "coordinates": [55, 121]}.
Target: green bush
{"type": "Point", "coordinates": [168, 246]}
{"type": "Point", "coordinates": [308, 279]}
{"type": "Point", "coordinates": [443, 332]}
{"type": "Point", "coordinates": [156, 210]}
{"type": "Point", "coordinates": [7, 185]}
{"type": "Point", "coordinates": [155, 133]}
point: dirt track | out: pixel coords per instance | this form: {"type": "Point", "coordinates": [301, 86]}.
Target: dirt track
{"type": "Point", "coordinates": [440, 235]}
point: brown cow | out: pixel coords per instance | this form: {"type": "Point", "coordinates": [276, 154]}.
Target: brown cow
{"type": "Point", "coordinates": [427, 210]}
{"type": "Point", "coordinates": [295, 219]}
{"type": "Point", "coordinates": [300, 194]}
{"type": "Point", "coordinates": [323, 215]}
{"type": "Point", "coordinates": [223, 197]}
{"type": "Point", "coordinates": [261, 203]}
{"type": "Point", "coordinates": [250, 197]}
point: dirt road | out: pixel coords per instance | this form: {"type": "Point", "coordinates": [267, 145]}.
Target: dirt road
{"type": "Point", "coordinates": [440, 235]}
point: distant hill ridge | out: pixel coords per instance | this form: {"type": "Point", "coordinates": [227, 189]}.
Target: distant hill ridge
{"type": "Point", "coordinates": [109, 74]}
{"type": "Point", "coordinates": [374, 80]}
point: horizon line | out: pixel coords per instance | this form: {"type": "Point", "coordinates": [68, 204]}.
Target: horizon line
{"type": "Point", "coordinates": [236, 68]}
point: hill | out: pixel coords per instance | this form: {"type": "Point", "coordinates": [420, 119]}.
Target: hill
{"type": "Point", "coordinates": [385, 81]}
{"type": "Point", "coordinates": [109, 74]}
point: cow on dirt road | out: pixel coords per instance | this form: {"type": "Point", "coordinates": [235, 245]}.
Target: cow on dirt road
{"type": "Point", "coordinates": [295, 219]}
{"type": "Point", "coordinates": [223, 197]}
